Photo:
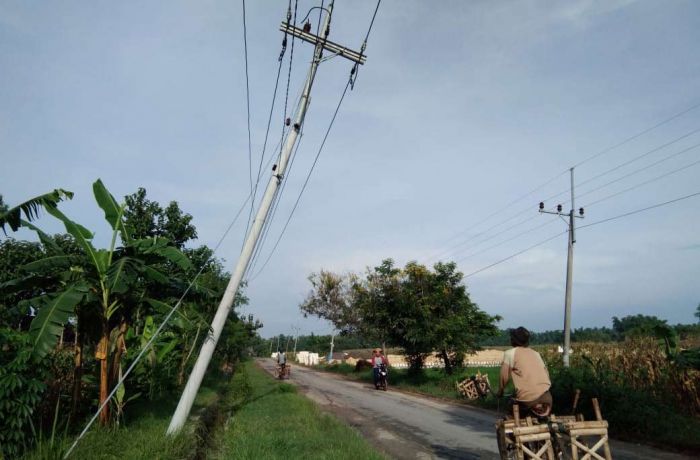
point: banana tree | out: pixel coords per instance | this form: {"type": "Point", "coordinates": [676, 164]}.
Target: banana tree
{"type": "Point", "coordinates": [101, 285]}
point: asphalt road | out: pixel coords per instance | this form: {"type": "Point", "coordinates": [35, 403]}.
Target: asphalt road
{"type": "Point", "coordinates": [408, 426]}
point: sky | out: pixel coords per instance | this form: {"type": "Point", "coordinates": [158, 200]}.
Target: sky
{"type": "Point", "coordinates": [461, 110]}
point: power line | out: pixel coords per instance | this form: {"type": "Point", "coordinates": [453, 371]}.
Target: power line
{"type": "Point", "coordinates": [637, 211]}
{"type": "Point", "coordinates": [606, 150]}
{"type": "Point", "coordinates": [530, 230]}
{"type": "Point", "coordinates": [654, 179]}
{"type": "Point", "coordinates": [631, 138]}
{"type": "Point", "coordinates": [620, 216]}
{"type": "Point", "coordinates": [454, 250]}
{"type": "Point", "coordinates": [517, 200]}
{"type": "Point", "coordinates": [306, 181]}
{"type": "Point", "coordinates": [625, 163]}
{"type": "Point", "coordinates": [247, 95]}
{"type": "Point", "coordinates": [516, 254]}
{"type": "Point", "coordinates": [637, 171]}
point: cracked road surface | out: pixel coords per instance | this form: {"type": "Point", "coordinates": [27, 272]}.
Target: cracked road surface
{"type": "Point", "coordinates": [407, 426]}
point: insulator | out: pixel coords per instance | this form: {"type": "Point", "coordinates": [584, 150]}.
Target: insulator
{"type": "Point", "coordinates": [541, 205]}
{"type": "Point", "coordinates": [274, 167]}
{"type": "Point", "coordinates": [307, 27]}
{"type": "Point", "coordinates": [558, 208]}
{"type": "Point", "coordinates": [297, 126]}
{"type": "Point", "coordinates": [287, 121]}
{"type": "Point", "coordinates": [580, 211]}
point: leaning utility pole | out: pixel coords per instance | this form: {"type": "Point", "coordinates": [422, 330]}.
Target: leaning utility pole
{"type": "Point", "coordinates": [278, 171]}
{"type": "Point", "coordinates": [569, 267]}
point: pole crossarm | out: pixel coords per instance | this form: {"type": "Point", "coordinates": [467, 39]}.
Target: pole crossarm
{"type": "Point", "coordinates": [328, 45]}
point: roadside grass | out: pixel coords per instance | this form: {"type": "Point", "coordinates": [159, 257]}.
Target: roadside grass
{"type": "Point", "coordinates": [275, 422]}
{"type": "Point", "coordinates": [140, 436]}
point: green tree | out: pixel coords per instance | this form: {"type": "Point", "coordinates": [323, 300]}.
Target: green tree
{"type": "Point", "coordinates": [145, 219]}
{"type": "Point", "coordinates": [636, 325]}
{"type": "Point", "coordinates": [331, 298]}
{"type": "Point", "coordinates": [102, 285]}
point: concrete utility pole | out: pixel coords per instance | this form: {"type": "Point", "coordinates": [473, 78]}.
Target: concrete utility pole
{"type": "Point", "coordinates": [330, 355]}
{"type": "Point", "coordinates": [569, 266]}
{"type": "Point", "coordinates": [296, 337]}
{"type": "Point", "coordinates": [321, 43]}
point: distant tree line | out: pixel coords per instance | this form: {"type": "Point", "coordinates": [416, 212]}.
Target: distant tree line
{"type": "Point", "coordinates": [622, 328]}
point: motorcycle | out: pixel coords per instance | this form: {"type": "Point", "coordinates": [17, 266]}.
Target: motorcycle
{"type": "Point", "coordinates": [382, 382]}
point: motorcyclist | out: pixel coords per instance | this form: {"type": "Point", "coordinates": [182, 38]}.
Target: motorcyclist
{"type": "Point", "coordinates": [529, 374]}
{"type": "Point", "coordinates": [377, 360]}
{"type": "Point", "coordinates": [281, 360]}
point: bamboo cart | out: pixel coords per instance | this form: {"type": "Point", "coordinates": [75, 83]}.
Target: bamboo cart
{"type": "Point", "coordinates": [569, 436]}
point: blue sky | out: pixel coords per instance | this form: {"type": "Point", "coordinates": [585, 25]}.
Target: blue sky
{"type": "Point", "coordinates": [462, 108]}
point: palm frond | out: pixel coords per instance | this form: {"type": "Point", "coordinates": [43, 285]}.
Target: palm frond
{"type": "Point", "coordinates": [31, 208]}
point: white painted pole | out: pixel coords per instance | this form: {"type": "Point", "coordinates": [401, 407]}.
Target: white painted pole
{"type": "Point", "coordinates": [217, 325]}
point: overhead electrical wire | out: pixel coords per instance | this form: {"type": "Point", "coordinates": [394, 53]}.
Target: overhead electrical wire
{"type": "Point", "coordinates": [247, 95]}
{"type": "Point", "coordinates": [516, 254]}
{"type": "Point", "coordinates": [519, 235]}
{"type": "Point", "coordinates": [654, 179]}
{"type": "Point", "coordinates": [602, 221]}
{"type": "Point", "coordinates": [635, 136]}
{"type": "Point", "coordinates": [637, 211]}
{"type": "Point", "coordinates": [517, 200]}
{"type": "Point", "coordinates": [627, 162]}
{"type": "Point", "coordinates": [306, 181]}
{"type": "Point", "coordinates": [637, 171]}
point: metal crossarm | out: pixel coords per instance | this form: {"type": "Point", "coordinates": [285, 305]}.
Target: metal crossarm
{"type": "Point", "coordinates": [327, 44]}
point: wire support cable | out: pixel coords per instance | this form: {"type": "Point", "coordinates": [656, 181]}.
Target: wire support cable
{"type": "Point", "coordinates": [306, 181]}
{"type": "Point", "coordinates": [146, 347]}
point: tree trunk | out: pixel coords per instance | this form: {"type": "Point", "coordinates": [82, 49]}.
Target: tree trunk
{"type": "Point", "coordinates": [446, 359]}
{"type": "Point", "coordinates": [119, 350]}
{"type": "Point", "coordinates": [77, 375]}
{"type": "Point", "coordinates": [101, 355]}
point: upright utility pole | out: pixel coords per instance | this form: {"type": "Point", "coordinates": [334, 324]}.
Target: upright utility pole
{"type": "Point", "coordinates": [296, 337]}
{"type": "Point", "coordinates": [569, 266]}
{"type": "Point", "coordinates": [321, 43]}
{"type": "Point", "coordinates": [330, 355]}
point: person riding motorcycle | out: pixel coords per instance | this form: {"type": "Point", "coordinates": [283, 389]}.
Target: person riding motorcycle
{"type": "Point", "coordinates": [529, 374]}
{"type": "Point", "coordinates": [281, 361]}
{"type": "Point", "coordinates": [377, 360]}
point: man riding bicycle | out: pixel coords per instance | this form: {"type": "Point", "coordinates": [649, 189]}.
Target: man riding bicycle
{"type": "Point", "coordinates": [529, 374]}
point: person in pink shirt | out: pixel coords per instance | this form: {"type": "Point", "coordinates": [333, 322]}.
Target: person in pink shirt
{"type": "Point", "coordinates": [377, 360]}
{"type": "Point", "coordinates": [530, 377]}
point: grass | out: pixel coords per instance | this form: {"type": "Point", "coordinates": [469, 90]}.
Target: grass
{"type": "Point", "coordinates": [140, 436]}
{"type": "Point", "coordinates": [277, 423]}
